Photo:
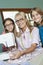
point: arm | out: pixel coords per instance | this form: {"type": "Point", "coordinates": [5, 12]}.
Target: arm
{"type": "Point", "coordinates": [26, 51]}
{"type": "Point", "coordinates": [29, 50]}
{"type": "Point", "coordinates": [35, 41]}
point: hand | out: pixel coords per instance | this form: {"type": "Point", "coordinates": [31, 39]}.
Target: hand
{"type": "Point", "coordinates": [17, 55]}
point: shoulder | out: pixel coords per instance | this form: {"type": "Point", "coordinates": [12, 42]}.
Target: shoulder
{"type": "Point", "coordinates": [36, 29]}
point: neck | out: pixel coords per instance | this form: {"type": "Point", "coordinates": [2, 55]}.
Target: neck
{"type": "Point", "coordinates": [40, 20]}
{"type": "Point", "coordinates": [24, 28]}
{"type": "Point", "coordinates": [31, 28]}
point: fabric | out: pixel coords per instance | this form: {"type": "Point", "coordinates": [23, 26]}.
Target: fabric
{"type": "Point", "coordinates": [22, 63]}
{"type": "Point", "coordinates": [25, 63]}
{"type": "Point", "coordinates": [37, 60]}
{"type": "Point", "coordinates": [41, 33]}
{"type": "Point", "coordinates": [26, 39]}
{"type": "Point", "coordinates": [5, 63]}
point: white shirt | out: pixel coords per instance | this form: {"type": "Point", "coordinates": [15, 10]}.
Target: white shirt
{"type": "Point", "coordinates": [27, 38]}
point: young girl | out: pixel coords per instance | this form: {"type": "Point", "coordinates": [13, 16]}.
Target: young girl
{"type": "Point", "coordinates": [37, 16]}
{"type": "Point", "coordinates": [9, 26]}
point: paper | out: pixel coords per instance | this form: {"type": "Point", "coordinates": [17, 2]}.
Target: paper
{"type": "Point", "coordinates": [7, 39]}
{"type": "Point", "coordinates": [4, 56]}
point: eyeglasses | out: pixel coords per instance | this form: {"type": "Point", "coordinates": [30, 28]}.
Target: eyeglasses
{"type": "Point", "coordinates": [20, 20]}
{"type": "Point", "coordinates": [8, 24]}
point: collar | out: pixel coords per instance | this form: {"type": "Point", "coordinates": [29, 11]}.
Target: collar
{"type": "Point", "coordinates": [27, 30]}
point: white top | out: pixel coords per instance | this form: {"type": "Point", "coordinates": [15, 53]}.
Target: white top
{"type": "Point", "coordinates": [27, 38]}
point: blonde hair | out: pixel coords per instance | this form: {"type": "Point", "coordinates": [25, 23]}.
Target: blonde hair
{"type": "Point", "coordinates": [37, 9]}
{"type": "Point", "coordinates": [24, 16]}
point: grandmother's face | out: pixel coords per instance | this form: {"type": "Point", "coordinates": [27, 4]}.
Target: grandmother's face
{"type": "Point", "coordinates": [21, 21]}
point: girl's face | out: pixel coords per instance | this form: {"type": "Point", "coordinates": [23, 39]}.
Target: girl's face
{"type": "Point", "coordinates": [36, 16]}
{"type": "Point", "coordinates": [9, 26]}
{"type": "Point", "coordinates": [21, 21]}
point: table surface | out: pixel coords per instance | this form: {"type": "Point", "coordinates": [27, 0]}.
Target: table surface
{"type": "Point", "coordinates": [35, 59]}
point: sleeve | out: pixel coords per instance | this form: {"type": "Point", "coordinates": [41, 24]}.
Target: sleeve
{"type": "Point", "coordinates": [41, 33]}
{"type": "Point", "coordinates": [36, 37]}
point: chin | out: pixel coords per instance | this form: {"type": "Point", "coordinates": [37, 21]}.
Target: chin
{"type": "Point", "coordinates": [10, 31]}
{"type": "Point", "coordinates": [37, 20]}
